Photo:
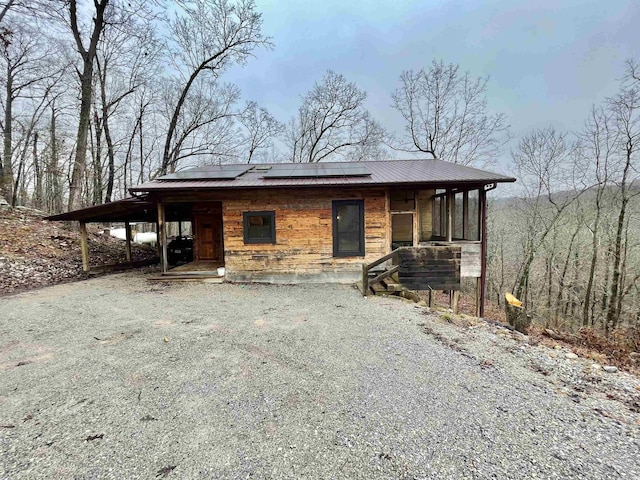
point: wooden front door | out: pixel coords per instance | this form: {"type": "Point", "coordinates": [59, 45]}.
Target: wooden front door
{"type": "Point", "coordinates": [209, 236]}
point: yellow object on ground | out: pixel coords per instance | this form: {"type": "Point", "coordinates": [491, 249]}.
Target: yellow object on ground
{"type": "Point", "coordinates": [511, 300]}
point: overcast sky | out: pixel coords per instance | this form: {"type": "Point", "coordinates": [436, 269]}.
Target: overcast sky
{"type": "Point", "coordinates": [548, 60]}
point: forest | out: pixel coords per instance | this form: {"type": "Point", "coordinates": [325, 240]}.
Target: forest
{"type": "Point", "coordinates": [100, 95]}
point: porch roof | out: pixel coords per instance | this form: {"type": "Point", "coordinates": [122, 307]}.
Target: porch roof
{"type": "Point", "coordinates": [134, 209]}
{"type": "Point", "coordinates": [431, 172]}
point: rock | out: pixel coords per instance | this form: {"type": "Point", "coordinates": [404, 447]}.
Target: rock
{"type": "Point", "coordinates": [596, 366]}
{"type": "Point", "coordinates": [553, 355]}
{"type": "Point", "coordinates": [557, 347]}
{"type": "Point", "coordinates": [571, 356]}
{"type": "Point", "coordinates": [422, 303]}
{"type": "Point", "coordinates": [610, 368]}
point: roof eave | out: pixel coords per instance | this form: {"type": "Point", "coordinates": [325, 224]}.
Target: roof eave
{"type": "Point", "coordinates": [486, 181]}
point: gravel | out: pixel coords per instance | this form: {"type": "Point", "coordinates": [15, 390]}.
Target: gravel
{"type": "Point", "coordinates": [117, 378]}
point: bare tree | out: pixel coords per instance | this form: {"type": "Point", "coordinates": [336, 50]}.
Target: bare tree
{"type": "Point", "coordinates": [544, 161]}
{"type": "Point", "coordinates": [598, 141]}
{"type": "Point", "coordinates": [261, 127]}
{"type": "Point", "coordinates": [127, 57]}
{"type": "Point", "coordinates": [206, 125]}
{"type": "Point", "coordinates": [447, 117]}
{"type": "Point", "coordinates": [25, 54]}
{"type": "Point", "coordinates": [142, 110]}
{"type": "Point", "coordinates": [209, 35]}
{"type": "Point", "coordinates": [332, 120]}
{"type": "Point", "coordinates": [625, 108]}
{"type": "Point", "coordinates": [85, 74]}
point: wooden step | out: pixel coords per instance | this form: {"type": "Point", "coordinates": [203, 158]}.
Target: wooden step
{"type": "Point", "coordinates": [392, 286]}
{"type": "Point", "coordinates": [379, 289]}
{"type": "Point", "coordinates": [186, 278]}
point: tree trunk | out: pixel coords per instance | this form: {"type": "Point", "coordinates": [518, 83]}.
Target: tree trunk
{"type": "Point", "coordinates": [37, 191]}
{"type": "Point", "coordinates": [6, 172]}
{"type": "Point", "coordinates": [111, 172]}
{"type": "Point", "coordinates": [86, 92]}
{"type": "Point", "coordinates": [168, 160]}
{"type": "Point", "coordinates": [565, 268]}
{"type": "Point", "coordinates": [613, 312]}
{"type": "Point", "coordinates": [97, 162]}
{"type": "Point", "coordinates": [56, 189]}
{"type": "Point", "coordinates": [79, 162]}
{"type": "Point", "coordinates": [594, 262]}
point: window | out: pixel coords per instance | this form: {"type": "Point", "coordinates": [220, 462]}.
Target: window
{"type": "Point", "coordinates": [473, 230]}
{"type": "Point", "coordinates": [459, 215]}
{"type": "Point", "coordinates": [465, 215]}
{"type": "Point", "coordinates": [439, 214]}
{"type": "Point", "coordinates": [348, 228]}
{"type": "Point", "coordinates": [259, 227]}
{"type": "Point", "coordinates": [402, 200]}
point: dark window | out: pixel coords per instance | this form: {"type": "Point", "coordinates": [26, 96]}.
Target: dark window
{"type": "Point", "coordinates": [402, 200]}
{"type": "Point", "coordinates": [348, 228]}
{"type": "Point", "coordinates": [440, 214]}
{"type": "Point", "coordinates": [259, 227]}
{"type": "Point", "coordinates": [458, 215]}
{"type": "Point", "coordinates": [473, 232]}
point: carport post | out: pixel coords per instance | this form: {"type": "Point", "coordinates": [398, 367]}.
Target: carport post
{"type": "Point", "coordinates": [127, 231]}
{"type": "Point", "coordinates": [84, 246]}
{"type": "Point", "coordinates": [162, 237]}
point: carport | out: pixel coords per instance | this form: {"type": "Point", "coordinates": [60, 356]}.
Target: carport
{"type": "Point", "coordinates": [128, 210]}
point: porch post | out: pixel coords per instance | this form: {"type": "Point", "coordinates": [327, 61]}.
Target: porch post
{"type": "Point", "coordinates": [450, 200]}
{"type": "Point", "coordinates": [483, 252]}
{"type": "Point", "coordinates": [84, 246]}
{"type": "Point", "coordinates": [455, 300]}
{"type": "Point", "coordinates": [162, 237]}
{"type": "Point", "coordinates": [127, 231]}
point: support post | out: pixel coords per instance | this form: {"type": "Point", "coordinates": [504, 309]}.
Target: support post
{"type": "Point", "coordinates": [162, 237]}
{"type": "Point", "coordinates": [84, 246]}
{"type": "Point", "coordinates": [158, 246]}
{"type": "Point", "coordinates": [450, 200]}
{"type": "Point", "coordinates": [365, 280]}
{"type": "Point", "coordinates": [450, 206]}
{"type": "Point", "coordinates": [455, 299]}
{"type": "Point", "coordinates": [483, 254]}
{"type": "Point", "coordinates": [127, 231]}
{"type": "Point", "coordinates": [430, 297]}
{"type": "Point", "coordinates": [478, 290]}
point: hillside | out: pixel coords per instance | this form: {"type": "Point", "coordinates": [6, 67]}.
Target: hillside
{"type": "Point", "coordinates": [36, 253]}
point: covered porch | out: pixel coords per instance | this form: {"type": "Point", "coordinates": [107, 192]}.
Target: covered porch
{"type": "Point", "coordinates": [438, 238]}
{"type": "Point", "coordinates": [189, 235]}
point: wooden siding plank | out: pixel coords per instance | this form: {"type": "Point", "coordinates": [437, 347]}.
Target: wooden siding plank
{"type": "Point", "coordinates": [304, 231]}
{"type": "Point", "coordinates": [436, 267]}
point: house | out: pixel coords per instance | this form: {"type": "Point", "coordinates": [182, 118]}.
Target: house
{"type": "Point", "coordinates": [290, 223]}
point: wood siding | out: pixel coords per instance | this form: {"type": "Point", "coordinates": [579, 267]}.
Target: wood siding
{"type": "Point", "coordinates": [304, 232]}
{"type": "Point", "coordinates": [436, 267]}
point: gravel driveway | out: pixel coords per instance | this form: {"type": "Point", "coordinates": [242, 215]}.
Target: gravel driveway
{"type": "Point", "coordinates": [117, 378]}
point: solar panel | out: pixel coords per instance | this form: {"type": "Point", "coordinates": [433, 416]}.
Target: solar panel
{"type": "Point", "coordinates": [209, 172]}
{"type": "Point", "coordinates": [314, 170]}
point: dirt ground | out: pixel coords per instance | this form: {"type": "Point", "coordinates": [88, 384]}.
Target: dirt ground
{"type": "Point", "coordinates": [35, 252]}
{"type": "Point", "coordinates": [117, 378]}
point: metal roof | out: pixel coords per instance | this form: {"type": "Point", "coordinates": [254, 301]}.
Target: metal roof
{"type": "Point", "coordinates": [127, 210]}
{"type": "Point", "coordinates": [430, 172]}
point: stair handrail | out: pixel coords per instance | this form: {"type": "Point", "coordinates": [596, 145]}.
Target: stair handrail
{"type": "Point", "coordinates": [366, 267]}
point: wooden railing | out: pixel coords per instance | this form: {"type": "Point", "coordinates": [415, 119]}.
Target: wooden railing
{"type": "Point", "coordinates": [367, 282]}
